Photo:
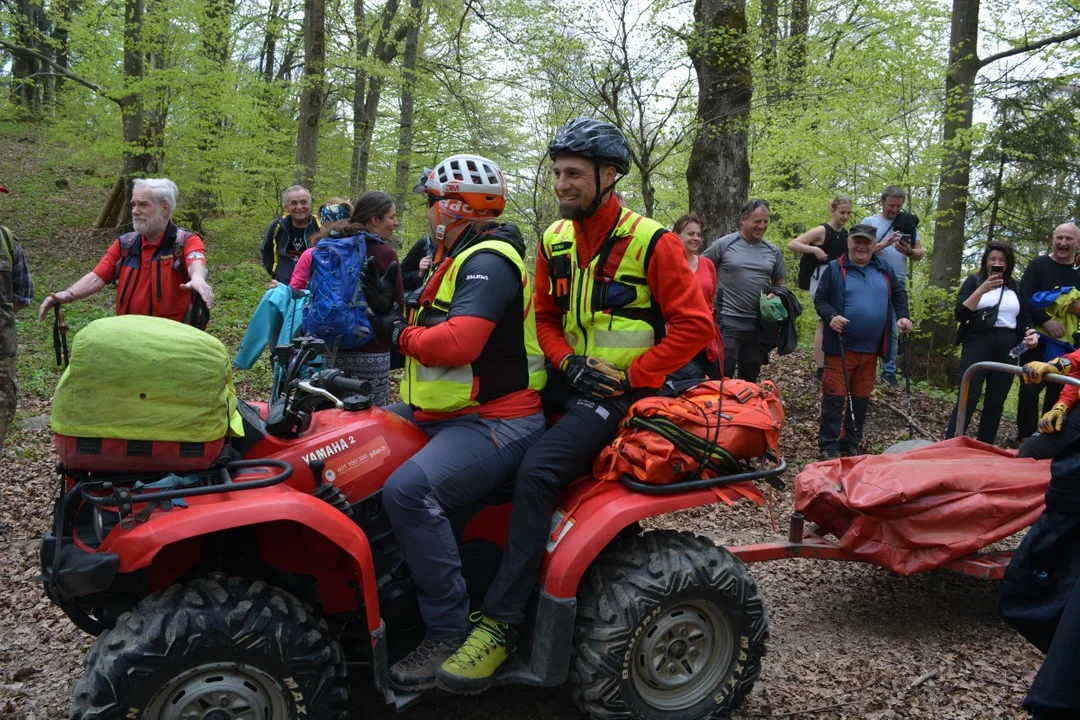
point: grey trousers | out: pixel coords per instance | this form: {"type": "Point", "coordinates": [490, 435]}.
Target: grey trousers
{"type": "Point", "coordinates": [467, 459]}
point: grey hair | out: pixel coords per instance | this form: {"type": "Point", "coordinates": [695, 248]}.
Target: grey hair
{"type": "Point", "coordinates": [751, 206]}
{"type": "Point", "coordinates": [164, 190]}
{"type": "Point", "coordinates": [294, 188]}
{"type": "Point", "coordinates": [893, 191]}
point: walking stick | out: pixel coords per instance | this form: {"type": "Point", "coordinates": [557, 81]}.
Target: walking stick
{"type": "Point", "coordinates": [907, 380]}
{"type": "Point", "coordinates": [60, 346]}
{"type": "Point", "coordinates": [847, 389]}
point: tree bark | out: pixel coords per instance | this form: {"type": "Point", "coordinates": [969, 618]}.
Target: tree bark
{"type": "Point", "coordinates": [269, 48]}
{"type": "Point", "coordinates": [408, 101]}
{"type": "Point", "coordinates": [311, 98]}
{"type": "Point", "coordinates": [718, 174]}
{"type": "Point", "coordinates": [770, 39]}
{"type": "Point", "coordinates": [138, 159]}
{"type": "Point", "coordinates": [367, 87]}
{"type": "Point", "coordinates": [61, 38]}
{"type": "Point", "coordinates": [963, 67]}
{"type": "Point", "coordinates": [26, 86]}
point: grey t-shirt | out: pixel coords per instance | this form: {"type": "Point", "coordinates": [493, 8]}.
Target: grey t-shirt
{"type": "Point", "coordinates": [744, 270]}
{"type": "Point", "coordinates": [896, 259]}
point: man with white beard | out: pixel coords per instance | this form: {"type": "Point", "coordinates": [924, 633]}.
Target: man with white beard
{"type": "Point", "coordinates": [156, 268]}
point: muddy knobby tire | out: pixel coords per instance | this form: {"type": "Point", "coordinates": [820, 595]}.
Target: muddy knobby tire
{"type": "Point", "coordinates": [238, 625]}
{"type": "Point", "coordinates": [666, 584]}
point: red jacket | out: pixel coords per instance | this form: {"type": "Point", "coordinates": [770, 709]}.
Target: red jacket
{"type": "Point", "coordinates": [675, 290]}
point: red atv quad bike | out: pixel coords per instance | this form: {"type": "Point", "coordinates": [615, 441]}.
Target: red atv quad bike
{"type": "Point", "coordinates": [281, 567]}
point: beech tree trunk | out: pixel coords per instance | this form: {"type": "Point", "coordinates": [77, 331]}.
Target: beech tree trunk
{"type": "Point", "coordinates": [367, 87]}
{"type": "Point", "coordinates": [138, 158]}
{"type": "Point", "coordinates": [311, 98]}
{"type": "Point", "coordinates": [26, 85]}
{"type": "Point", "coordinates": [948, 252]}
{"type": "Point", "coordinates": [718, 175]}
{"type": "Point", "coordinates": [403, 181]}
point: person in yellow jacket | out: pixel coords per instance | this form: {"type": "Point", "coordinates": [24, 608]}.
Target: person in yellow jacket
{"type": "Point", "coordinates": [473, 372]}
{"type": "Point", "coordinates": [617, 310]}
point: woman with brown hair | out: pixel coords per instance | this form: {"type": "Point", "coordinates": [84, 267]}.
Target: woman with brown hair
{"type": "Point", "coordinates": [689, 228]}
{"type": "Point", "coordinates": [373, 221]}
{"type": "Point", "coordinates": [819, 246]}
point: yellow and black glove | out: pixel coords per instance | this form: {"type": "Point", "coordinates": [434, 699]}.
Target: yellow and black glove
{"type": "Point", "coordinates": [1034, 371]}
{"type": "Point", "coordinates": [595, 376]}
{"type": "Point", "coordinates": [1052, 420]}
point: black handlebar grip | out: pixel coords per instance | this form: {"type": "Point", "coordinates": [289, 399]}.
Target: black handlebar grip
{"type": "Point", "coordinates": [342, 382]}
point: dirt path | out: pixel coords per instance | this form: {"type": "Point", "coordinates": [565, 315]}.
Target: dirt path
{"type": "Point", "coordinates": [848, 640]}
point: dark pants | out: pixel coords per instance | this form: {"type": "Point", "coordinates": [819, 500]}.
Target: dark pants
{"type": "Point", "coordinates": [467, 459]}
{"type": "Point", "coordinates": [741, 349]}
{"type": "Point", "coordinates": [1043, 446]}
{"type": "Point", "coordinates": [565, 453]}
{"type": "Point", "coordinates": [1027, 405]}
{"type": "Point", "coordinates": [993, 346]}
{"type": "Point", "coordinates": [837, 430]}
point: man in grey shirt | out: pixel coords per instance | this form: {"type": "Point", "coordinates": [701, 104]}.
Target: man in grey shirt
{"type": "Point", "coordinates": [895, 244]}
{"type": "Point", "coordinates": [747, 266]}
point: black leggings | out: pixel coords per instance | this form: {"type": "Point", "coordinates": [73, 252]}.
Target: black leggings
{"type": "Point", "coordinates": [993, 346]}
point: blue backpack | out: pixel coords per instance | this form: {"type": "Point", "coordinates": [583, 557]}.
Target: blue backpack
{"type": "Point", "coordinates": [336, 311]}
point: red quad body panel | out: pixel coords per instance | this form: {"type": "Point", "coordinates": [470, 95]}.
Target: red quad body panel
{"type": "Point", "coordinates": [601, 512]}
{"type": "Point", "coordinates": [360, 449]}
{"type": "Point", "coordinates": [297, 532]}
{"type": "Point", "coordinates": [922, 509]}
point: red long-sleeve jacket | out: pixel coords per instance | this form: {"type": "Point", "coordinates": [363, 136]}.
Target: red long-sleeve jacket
{"type": "Point", "coordinates": [674, 288]}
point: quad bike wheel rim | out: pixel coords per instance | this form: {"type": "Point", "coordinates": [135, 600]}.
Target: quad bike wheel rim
{"type": "Point", "coordinates": [220, 691]}
{"type": "Point", "coordinates": [681, 655]}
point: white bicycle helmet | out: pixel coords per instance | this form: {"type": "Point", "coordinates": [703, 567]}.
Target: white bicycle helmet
{"type": "Point", "coordinates": [473, 179]}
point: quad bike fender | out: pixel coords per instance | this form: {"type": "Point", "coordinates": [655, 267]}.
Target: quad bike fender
{"type": "Point", "coordinates": [602, 513]}
{"type": "Point", "coordinates": [294, 526]}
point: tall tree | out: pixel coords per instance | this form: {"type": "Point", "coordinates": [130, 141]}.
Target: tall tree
{"type": "Point", "coordinates": [718, 173]}
{"type": "Point", "coordinates": [402, 183]}
{"type": "Point", "coordinates": [964, 67]}
{"type": "Point", "coordinates": [28, 17]}
{"type": "Point", "coordinates": [313, 93]}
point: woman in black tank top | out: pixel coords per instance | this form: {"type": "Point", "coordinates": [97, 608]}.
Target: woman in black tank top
{"type": "Point", "coordinates": [818, 247]}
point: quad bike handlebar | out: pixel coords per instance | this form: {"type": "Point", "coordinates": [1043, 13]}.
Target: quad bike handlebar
{"type": "Point", "coordinates": [965, 386]}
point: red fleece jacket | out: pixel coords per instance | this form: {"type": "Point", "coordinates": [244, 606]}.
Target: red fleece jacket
{"type": "Point", "coordinates": [1069, 394]}
{"type": "Point", "coordinates": [675, 290]}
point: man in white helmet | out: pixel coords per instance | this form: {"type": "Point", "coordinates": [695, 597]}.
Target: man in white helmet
{"type": "Point", "coordinates": [473, 371]}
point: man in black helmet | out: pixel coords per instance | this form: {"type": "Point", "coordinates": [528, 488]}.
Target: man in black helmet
{"type": "Point", "coordinates": [617, 310]}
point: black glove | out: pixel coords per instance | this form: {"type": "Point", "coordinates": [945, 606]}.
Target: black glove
{"type": "Point", "coordinates": [379, 291]}
{"type": "Point", "coordinates": [595, 377]}
{"type": "Point", "coordinates": [388, 326]}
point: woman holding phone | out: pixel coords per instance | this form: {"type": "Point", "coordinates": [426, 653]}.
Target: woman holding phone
{"type": "Point", "coordinates": [994, 319]}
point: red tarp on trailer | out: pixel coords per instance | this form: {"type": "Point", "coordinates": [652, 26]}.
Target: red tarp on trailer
{"type": "Point", "coordinates": [915, 511]}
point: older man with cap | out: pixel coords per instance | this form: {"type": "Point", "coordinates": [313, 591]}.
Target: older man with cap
{"type": "Point", "coordinates": [863, 305]}
{"type": "Point", "coordinates": [156, 268]}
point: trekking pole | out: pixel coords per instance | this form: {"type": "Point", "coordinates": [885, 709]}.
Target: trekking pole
{"type": "Point", "coordinates": [847, 389]}
{"type": "Point", "coordinates": [907, 380]}
{"type": "Point", "coordinates": [60, 346]}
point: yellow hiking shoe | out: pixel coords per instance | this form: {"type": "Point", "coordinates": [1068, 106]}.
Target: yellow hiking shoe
{"type": "Point", "coordinates": [471, 668]}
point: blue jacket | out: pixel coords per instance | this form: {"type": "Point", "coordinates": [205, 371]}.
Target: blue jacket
{"type": "Point", "coordinates": [277, 316]}
{"type": "Point", "coordinates": [829, 301]}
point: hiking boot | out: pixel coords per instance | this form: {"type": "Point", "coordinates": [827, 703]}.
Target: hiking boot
{"type": "Point", "coordinates": [416, 671]}
{"type": "Point", "coordinates": [847, 452]}
{"type": "Point", "coordinates": [471, 668]}
{"type": "Point", "coordinates": [890, 380]}
{"type": "Point", "coordinates": [819, 375]}
{"type": "Point", "coordinates": [830, 455]}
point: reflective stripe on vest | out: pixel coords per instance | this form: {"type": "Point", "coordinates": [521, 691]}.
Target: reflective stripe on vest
{"type": "Point", "coordinates": [447, 389]}
{"type": "Point", "coordinates": [608, 310]}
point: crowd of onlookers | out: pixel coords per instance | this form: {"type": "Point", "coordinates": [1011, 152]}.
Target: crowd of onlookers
{"type": "Point", "coordinates": [856, 277]}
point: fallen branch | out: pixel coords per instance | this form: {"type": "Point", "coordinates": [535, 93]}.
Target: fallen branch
{"type": "Point", "coordinates": [924, 678]}
{"type": "Point", "coordinates": [922, 431]}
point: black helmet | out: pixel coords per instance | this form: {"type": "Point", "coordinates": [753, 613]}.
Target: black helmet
{"type": "Point", "coordinates": [594, 139]}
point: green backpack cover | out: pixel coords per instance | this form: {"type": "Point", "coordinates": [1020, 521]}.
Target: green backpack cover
{"type": "Point", "coordinates": [135, 377]}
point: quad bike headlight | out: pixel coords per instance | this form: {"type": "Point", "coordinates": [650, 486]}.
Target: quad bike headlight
{"type": "Point", "coordinates": [104, 521]}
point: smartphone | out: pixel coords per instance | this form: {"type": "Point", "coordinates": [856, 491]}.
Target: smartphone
{"type": "Point", "coordinates": [999, 269]}
{"type": "Point", "coordinates": [905, 239]}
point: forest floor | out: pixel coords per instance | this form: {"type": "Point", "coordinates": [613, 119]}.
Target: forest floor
{"type": "Point", "coordinates": [847, 640]}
